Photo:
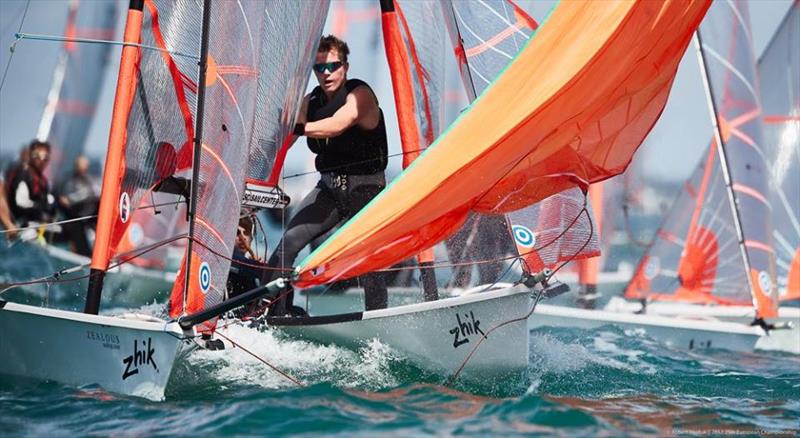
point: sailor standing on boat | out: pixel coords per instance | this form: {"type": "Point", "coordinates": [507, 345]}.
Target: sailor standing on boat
{"type": "Point", "coordinates": [345, 129]}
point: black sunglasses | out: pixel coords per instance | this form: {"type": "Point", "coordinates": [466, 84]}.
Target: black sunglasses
{"type": "Point", "coordinates": [330, 66]}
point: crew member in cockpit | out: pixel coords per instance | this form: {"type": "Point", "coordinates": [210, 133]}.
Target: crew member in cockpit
{"type": "Point", "coordinates": [345, 129]}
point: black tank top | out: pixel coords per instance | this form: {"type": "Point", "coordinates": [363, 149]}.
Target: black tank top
{"type": "Point", "coordinates": [356, 151]}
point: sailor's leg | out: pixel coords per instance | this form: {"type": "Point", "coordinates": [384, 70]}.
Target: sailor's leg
{"type": "Point", "coordinates": [316, 214]}
{"type": "Point", "coordinates": [376, 295]}
{"type": "Point", "coordinates": [493, 244]}
{"type": "Point", "coordinates": [587, 296]}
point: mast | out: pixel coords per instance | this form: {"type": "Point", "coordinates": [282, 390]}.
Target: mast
{"type": "Point", "coordinates": [112, 173]}
{"type": "Point", "coordinates": [403, 88]}
{"type": "Point", "coordinates": [198, 143]}
{"type": "Point", "coordinates": [726, 173]}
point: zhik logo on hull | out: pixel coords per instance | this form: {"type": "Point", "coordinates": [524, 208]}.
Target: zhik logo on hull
{"type": "Point", "coordinates": [139, 358]}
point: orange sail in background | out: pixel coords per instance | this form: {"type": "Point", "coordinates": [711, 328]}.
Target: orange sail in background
{"type": "Point", "coordinates": [569, 110]}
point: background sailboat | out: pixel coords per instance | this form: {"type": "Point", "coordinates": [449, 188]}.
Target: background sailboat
{"type": "Point", "coordinates": [708, 251]}
{"type": "Point", "coordinates": [700, 255]}
{"type": "Point", "coordinates": [74, 91]}
{"type": "Point", "coordinates": [777, 68]}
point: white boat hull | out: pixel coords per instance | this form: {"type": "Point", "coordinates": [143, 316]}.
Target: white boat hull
{"type": "Point", "coordinates": [125, 356]}
{"type": "Point", "coordinates": [675, 332]}
{"type": "Point", "coordinates": [786, 340]}
{"type": "Point", "coordinates": [438, 335]}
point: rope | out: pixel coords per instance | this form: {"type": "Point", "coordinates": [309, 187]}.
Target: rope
{"type": "Point", "coordinates": [501, 259]}
{"type": "Point", "coordinates": [42, 37]}
{"type": "Point", "coordinates": [273, 367]}
{"type": "Point", "coordinates": [13, 46]}
{"type": "Point", "coordinates": [240, 262]}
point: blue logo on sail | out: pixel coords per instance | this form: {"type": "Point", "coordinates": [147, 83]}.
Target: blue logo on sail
{"type": "Point", "coordinates": [205, 277]}
{"type": "Point", "coordinates": [523, 236]}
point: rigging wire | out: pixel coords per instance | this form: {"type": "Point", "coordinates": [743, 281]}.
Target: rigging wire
{"type": "Point", "coordinates": [82, 218]}
{"type": "Point", "coordinates": [42, 37]}
{"type": "Point", "coordinates": [13, 46]}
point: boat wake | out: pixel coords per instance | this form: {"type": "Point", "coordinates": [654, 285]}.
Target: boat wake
{"type": "Point", "coordinates": [369, 368]}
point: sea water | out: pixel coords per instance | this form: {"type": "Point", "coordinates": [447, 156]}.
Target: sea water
{"type": "Point", "coordinates": [604, 382]}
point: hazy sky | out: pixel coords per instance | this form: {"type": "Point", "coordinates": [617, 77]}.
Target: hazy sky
{"type": "Point", "coordinates": [670, 152]}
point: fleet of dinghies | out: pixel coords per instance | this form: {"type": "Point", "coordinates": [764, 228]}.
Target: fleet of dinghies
{"type": "Point", "coordinates": [555, 107]}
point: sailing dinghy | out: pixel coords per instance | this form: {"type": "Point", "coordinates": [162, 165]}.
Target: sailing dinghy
{"type": "Point", "coordinates": [569, 110]}
{"type": "Point", "coordinates": [170, 120]}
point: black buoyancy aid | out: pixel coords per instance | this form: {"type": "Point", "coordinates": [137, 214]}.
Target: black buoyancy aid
{"type": "Point", "coordinates": [356, 151]}
{"type": "Point", "coordinates": [38, 191]}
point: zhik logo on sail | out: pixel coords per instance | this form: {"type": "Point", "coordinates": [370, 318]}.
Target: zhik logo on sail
{"type": "Point", "coordinates": [139, 357]}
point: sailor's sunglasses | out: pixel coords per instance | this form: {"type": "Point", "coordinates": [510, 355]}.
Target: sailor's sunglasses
{"type": "Point", "coordinates": [330, 66]}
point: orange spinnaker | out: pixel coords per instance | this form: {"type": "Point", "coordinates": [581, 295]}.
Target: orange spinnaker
{"type": "Point", "coordinates": [569, 110]}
